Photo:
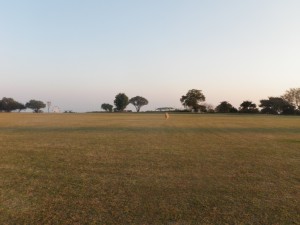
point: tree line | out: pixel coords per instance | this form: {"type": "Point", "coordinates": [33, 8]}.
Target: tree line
{"type": "Point", "coordinates": [122, 101]}
{"type": "Point", "coordinates": [287, 104]}
{"type": "Point", "coordinates": [9, 104]}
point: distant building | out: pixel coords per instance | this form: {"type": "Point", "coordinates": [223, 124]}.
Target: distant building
{"type": "Point", "coordinates": [56, 109]}
{"type": "Point", "coordinates": [165, 109]}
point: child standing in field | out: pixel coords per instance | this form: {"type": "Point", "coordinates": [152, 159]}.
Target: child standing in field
{"type": "Point", "coordinates": [166, 115]}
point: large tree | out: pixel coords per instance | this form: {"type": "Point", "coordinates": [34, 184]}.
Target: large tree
{"type": "Point", "coordinates": [121, 101]}
{"type": "Point", "coordinates": [35, 105]}
{"type": "Point", "coordinates": [192, 99]}
{"type": "Point", "coordinates": [9, 104]}
{"type": "Point", "coordinates": [138, 102]}
{"type": "Point", "coordinates": [276, 105]}
{"type": "Point", "coordinates": [248, 107]}
{"type": "Point", "coordinates": [107, 107]}
{"type": "Point", "coordinates": [225, 107]}
{"type": "Point", "coordinates": [293, 97]}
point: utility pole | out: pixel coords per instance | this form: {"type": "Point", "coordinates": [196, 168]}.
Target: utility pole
{"type": "Point", "coordinates": [48, 105]}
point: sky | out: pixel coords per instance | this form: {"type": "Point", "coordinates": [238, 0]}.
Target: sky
{"type": "Point", "coordinates": [79, 54]}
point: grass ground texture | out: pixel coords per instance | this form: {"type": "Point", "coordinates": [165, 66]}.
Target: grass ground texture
{"type": "Point", "coordinates": [143, 169]}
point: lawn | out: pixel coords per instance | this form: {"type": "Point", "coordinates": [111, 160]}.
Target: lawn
{"type": "Point", "coordinates": [142, 169]}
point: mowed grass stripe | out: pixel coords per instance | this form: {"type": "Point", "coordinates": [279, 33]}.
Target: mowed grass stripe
{"type": "Point", "coordinates": [142, 169]}
{"type": "Point", "coordinates": [146, 129]}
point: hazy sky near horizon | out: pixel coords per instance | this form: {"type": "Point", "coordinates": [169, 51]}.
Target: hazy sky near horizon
{"type": "Point", "coordinates": [79, 54]}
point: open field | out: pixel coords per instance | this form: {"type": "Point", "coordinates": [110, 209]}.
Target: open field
{"type": "Point", "coordinates": [142, 169]}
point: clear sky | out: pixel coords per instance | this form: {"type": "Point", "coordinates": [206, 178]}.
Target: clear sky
{"type": "Point", "coordinates": [81, 53]}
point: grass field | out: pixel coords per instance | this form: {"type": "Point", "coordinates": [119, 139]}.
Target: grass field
{"type": "Point", "coordinates": [142, 169]}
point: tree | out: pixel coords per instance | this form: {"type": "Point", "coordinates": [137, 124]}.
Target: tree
{"type": "Point", "coordinates": [9, 104]}
{"type": "Point", "coordinates": [248, 107]}
{"type": "Point", "coordinates": [20, 107]}
{"type": "Point", "coordinates": [35, 105]}
{"type": "Point", "coordinates": [107, 107]}
{"type": "Point", "coordinates": [293, 97]}
{"type": "Point", "coordinates": [138, 102]}
{"type": "Point", "coordinates": [225, 107]}
{"type": "Point", "coordinates": [192, 99]}
{"type": "Point", "coordinates": [121, 102]}
{"type": "Point", "coordinates": [209, 108]}
{"type": "Point", "coordinates": [276, 105]}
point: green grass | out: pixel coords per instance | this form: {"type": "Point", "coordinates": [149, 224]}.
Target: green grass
{"type": "Point", "coordinates": [142, 169]}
